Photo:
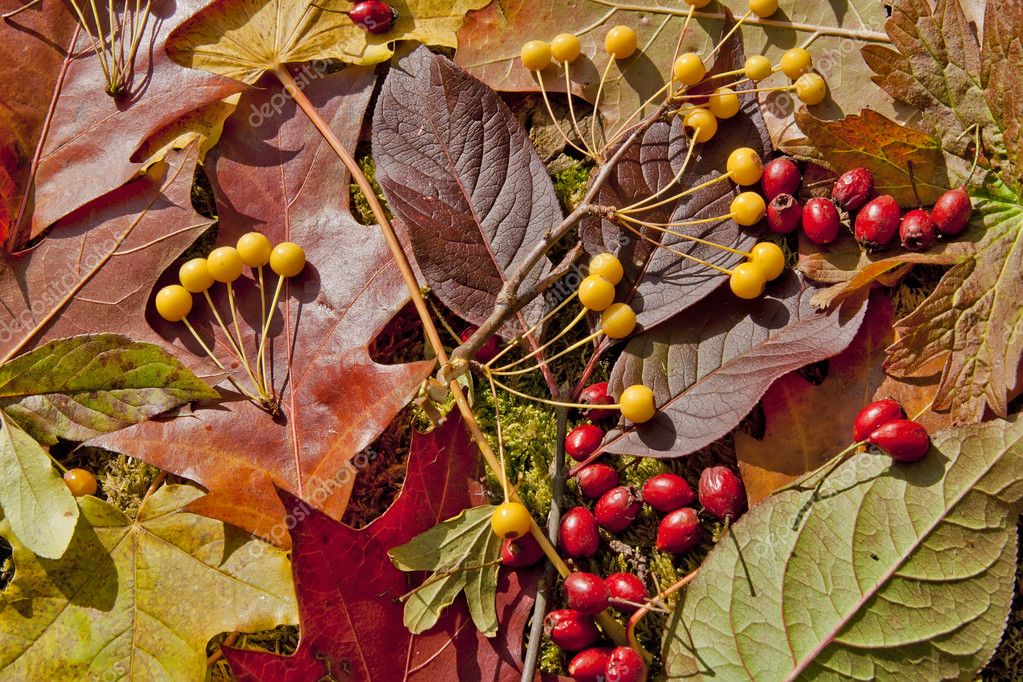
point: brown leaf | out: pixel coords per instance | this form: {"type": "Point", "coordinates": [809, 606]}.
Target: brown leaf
{"type": "Point", "coordinates": [1003, 77]}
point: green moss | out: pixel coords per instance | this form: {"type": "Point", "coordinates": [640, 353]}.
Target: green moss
{"type": "Point", "coordinates": [570, 178]}
{"type": "Point", "coordinates": [282, 640]}
{"type": "Point", "coordinates": [360, 207]}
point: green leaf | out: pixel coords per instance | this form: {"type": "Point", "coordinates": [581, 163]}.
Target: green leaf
{"type": "Point", "coordinates": [896, 572]}
{"type": "Point", "coordinates": [80, 387]}
{"type": "Point", "coordinates": [138, 600]}
{"type": "Point", "coordinates": [36, 503]}
{"type": "Point", "coordinates": [462, 554]}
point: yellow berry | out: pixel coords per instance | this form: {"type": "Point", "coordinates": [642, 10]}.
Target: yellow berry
{"type": "Point", "coordinates": [195, 276]}
{"type": "Point", "coordinates": [758, 67]}
{"type": "Point", "coordinates": [620, 42]}
{"type": "Point", "coordinates": [723, 103]}
{"type": "Point", "coordinates": [702, 123]}
{"type": "Point", "coordinates": [637, 404]}
{"type": "Point", "coordinates": [795, 62]}
{"type": "Point", "coordinates": [510, 520]}
{"type": "Point", "coordinates": [596, 293]}
{"type": "Point", "coordinates": [747, 280]}
{"type": "Point", "coordinates": [536, 55]}
{"type": "Point", "coordinates": [173, 302]}
{"type": "Point", "coordinates": [80, 482]}
{"type": "Point", "coordinates": [770, 258]}
{"type": "Point", "coordinates": [225, 264]}
{"type": "Point", "coordinates": [565, 47]}
{"type": "Point", "coordinates": [748, 208]}
{"type": "Point", "coordinates": [811, 88]}
{"type": "Point", "coordinates": [763, 8]}
{"type": "Point", "coordinates": [618, 320]}
{"type": "Point", "coordinates": [698, 4]}
{"type": "Point", "coordinates": [287, 259]}
{"type": "Point", "coordinates": [745, 166]}
{"type": "Point", "coordinates": [607, 266]}
{"type": "Point", "coordinates": [688, 69]}
{"type": "Point", "coordinates": [254, 248]}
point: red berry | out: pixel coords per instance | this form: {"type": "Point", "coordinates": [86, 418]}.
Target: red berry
{"type": "Point", "coordinates": [487, 351]}
{"type": "Point", "coordinates": [952, 212]}
{"type": "Point", "coordinates": [570, 629]}
{"type": "Point", "coordinates": [916, 231]}
{"type": "Point", "coordinates": [820, 220]}
{"type": "Point", "coordinates": [626, 586]}
{"type": "Point", "coordinates": [784, 214]}
{"type": "Point", "coordinates": [874, 416]}
{"type": "Point", "coordinates": [520, 552]}
{"type": "Point", "coordinates": [588, 665]}
{"type": "Point", "coordinates": [374, 16]}
{"type": "Point", "coordinates": [781, 176]}
{"type": "Point", "coordinates": [617, 508]}
{"type": "Point", "coordinates": [596, 479]}
{"type": "Point", "coordinates": [680, 531]}
{"type": "Point", "coordinates": [596, 394]}
{"type": "Point", "coordinates": [667, 492]}
{"type": "Point", "coordinates": [586, 592]}
{"type": "Point", "coordinates": [853, 188]}
{"type": "Point", "coordinates": [722, 493]}
{"type": "Point", "coordinates": [877, 223]}
{"type": "Point", "coordinates": [583, 441]}
{"type": "Point", "coordinates": [624, 665]}
{"type": "Point", "coordinates": [902, 439]}
{"type": "Point", "coordinates": [578, 535]}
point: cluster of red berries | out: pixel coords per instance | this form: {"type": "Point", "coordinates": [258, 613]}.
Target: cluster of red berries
{"type": "Point", "coordinates": [373, 16]}
{"type": "Point", "coordinates": [883, 424]}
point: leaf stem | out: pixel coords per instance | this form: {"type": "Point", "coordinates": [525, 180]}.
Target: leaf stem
{"type": "Point", "coordinates": [662, 202]}
{"type": "Point", "coordinates": [630, 631]}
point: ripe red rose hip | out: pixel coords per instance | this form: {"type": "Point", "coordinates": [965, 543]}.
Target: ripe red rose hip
{"type": "Point", "coordinates": [874, 416]}
{"type": "Point", "coordinates": [570, 629]}
{"type": "Point", "coordinates": [722, 493]}
{"type": "Point", "coordinates": [626, 586]}
{"type": "Point", "coordinates": [578, 536]}
{"type": "Point", "coordinates": [952, 212]}
{"type": "Point", "coordinates": [784, 214]}
{"type": "Point", "coordinates": [588, 665]}
{"type": "Point", "coordinates": [624, 665]}
{"type": "Point", "coordinates": [617, 508]}
{"type": "Point", "coordinates": [679, 531]}
{"type": "Point", "coordinates": [596, 394]}
{"type": "Point", "coordinates": [916, 231]}
{"type": "Point", "coordinates": [853, 189]}
{"type": "Point", "coordinates": [667, 492]}
{"type": "Point", "coordinates": [520, 552]}
{"type": "Point", "coordinates": [877, 223]}
{"type": "Point", "coordinates": [487, 351]}
{"type": "Point", "coordinates": [596, 479]}
{"type": "Point", "coordinates": [781, 176]}
{"type": "Point", "coordinates": [820, 220]}
{"type": "Point", "coordinates": [903, 440]}
{"type": "Point", "coordinates": [586, 592]}
{"type": "Point", "coordinates": [374, 16]}
{"type": "Point", "coordinates": [583, 441]}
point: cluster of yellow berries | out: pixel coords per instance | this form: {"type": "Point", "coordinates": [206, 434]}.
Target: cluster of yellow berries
{"type": "Point", "coordinates": [597, 293]}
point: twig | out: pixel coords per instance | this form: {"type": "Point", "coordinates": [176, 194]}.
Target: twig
{"type": "Point", "coordinates": [219, 653]}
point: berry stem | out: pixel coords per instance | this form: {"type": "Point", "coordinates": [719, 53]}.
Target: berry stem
{"type": "Point", "coordinates": [241, 343]}
{"type": "Point", "coordinates": [550, 112]}
{"type": "Point", "coordinates": [731, 32]}
{"type": "Point", "coordinates": [619, 128]}
{"type": "Point", "coordinates": [704, 95]}
{"type": "Point", "coordinates": [266, 325]}
{"type": "Point", "coordinates": [696, 188]}
{"type": "Point", "coordinates": [596, 106]}
{"type": "Point", "coordinates": [520, 337]}
{"type": "Point", "coordinates": [15, 12]}
{"type": "Point", "coordinates": [543, 362]}
{"type": "Point", "coordinates": [682, 254]}
{"type": "Point", "coordinates": [56, 462]}
{"type": "Point", "coordinates": [775, 88]}
{"type": "Point", "coordinates": [662, 227]}
{"type": "Point", "coordinates": [630, 631]}
{"type": "Point", "coordinates": [555, 403]}
{"type": "Point", "coordinates": [217, 362]}
{"type": "Point", "coordinates": [571, 111]}
{"type": "Point", "coordinates": [504, 368]}
{"type": "Point", "coordinates": [238, 353]}
{"type": "Point", "coordinates": [264, 373]}
{"type": "Point", "coordinates": [674, 180]}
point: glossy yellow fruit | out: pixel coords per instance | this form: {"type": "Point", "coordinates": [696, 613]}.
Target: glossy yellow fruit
{"type": "Point", "coordinates": [608, 266]}
{"type": "Point", "coordinates": [195, 276]}
{"type": "Point", "coordinates": [225, 264]}
{"type": "Point", "coordinates": [80, 482]}
{"type": "Point", "coordinates": [811, 88]}
{"type": "Point", "coordinates": [620, 42]}
{"type": "Point", "coordinates": [688, 69]}
{"type": "Point", "coordinates": [287, 259]}
{"type": "Point", "coordinates": [744, 166]}
{"type": "Point", "coordinates": [795, 62]}
{"type": "Point", "coordinates": [757, 67]}
{"type": "Point", "coordinates": [510, 520]}
{"type": "Point", "coordinates": [254, 248]}
{"type": "Point", "coordinates": [748, 208]}
{"type": "Point", "coordinates": [763, 8]}
{"type": "Point", "coordinates": [173, 302]}
{"type": "Point", "coordinates": [637, 404]}
{"type": "Point", "coordinates": [565, 47]}
{"type": "Point", "coordinates": [770, 258]}
{"type": "Point", "coordinates": [723, 103]}
{"type": "Point", "coordinates": [536, 55]}
{"type": "Point", "coordinates": [747, 280]}
{"type": "Point", "coordinates": [618, 321]}
{"type": "Point", "coordinates": [596, 293]}
{"type": "Point", "coordinates": [702, 123]}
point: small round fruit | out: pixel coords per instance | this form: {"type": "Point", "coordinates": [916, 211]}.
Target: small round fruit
{"type": "Point", "coordinates": [287, 259]}
{"type": "Point", "coordinates": [586, 592]}
{"type": "Point", "coordinates": [795, 62]}
{"type": "Point", "coordinates": [877, 223]}
{"type": "Point", "coordinates": [225, 264]}
{"type": "Point", "coordinates": [624, 665]}
{"type": "Point", "coordinates": [511, 520]}
{"type": "Point", "coordinates": [520, 552]}
{"type": "Point", "coordinates": [80, 482]}
{"type": "Point", "coordinates": [487, 351]}
{"type": "Point", "coordinates": [617, 508]}
{"type": "Point", "coordinates": [747, 280]}
{"type": "Point", "coordinates": [565, 48]}
{"type": "Point", "coordinates": [596, 479]}
{"type": "Point", "coordinates": [811, 88]}
{"type": "Point", "coordinates": [596, 293]}
{"type": "Point", "coordinates": [688, 69]}
{"type": "Point", "coordinates": [570, 629]}
{"type": "Point", "coordinates": [723, 103]}
{"type": "Point", "coordinates": [637, 404]}
{"type": "Point", "coordinates": [701, 124]}
{"type": "Point", "coordinates": [722, 493]}
{"type": "Point", "coordinates": [763, 8]}
{"type": "Point", "coordinates": [757, 67]}
{"type": "Point", "coordinates": [618, 321]}
{"type": "Point", "coordinates": [627, 587]}
{"type": "Point", "coordinates": [535, 55]}
{"type": "Point", "coordinates": [588, 665]}
{"type": "Point", "coordinates": [770, 258]}
{"type": "Point", "coordinates": [583, 441]}
{"type": "Point", "coordinates": [195, 276]}
{"type": "Point", "coordinates": [173, 303]}
{"type": "Point", "coordinates": [748, 208]}
{"type": "Point", "coordinates": [578, 535]}
{"type": "Point", "coordinates": [917, 230]}
{"type": "Point", "coordinates": [608, 266]}
{"type": "Point", "coordinates": [679, 531]}
{"type": "Point", "coordinates": [254, 249]}
{"type": "Point", "coordinates": [853, 188]}
{"type": "Point", "coordinates": [620, 42]}
{"type": "Point", "coordinates": [903, 440]}
{"type": "Point", "coordinates": [744, 166]}
{"type": "Point", "coordinates": [596, 394]}
{"type": "Point", "coordinates": [820, 220]}
{"type": "Point", "coordinates": [373, 16]}
{"type": "Point", "coordinates": [784, 214]}
{"type": "Point", "coordinates": [874, 416]}
{"type": "Point", "coordinates": [952, 211]}
{"type": "Point", "coordinates": [781, 176]}
{"type": "Point", "coordinates": [667, 492]}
